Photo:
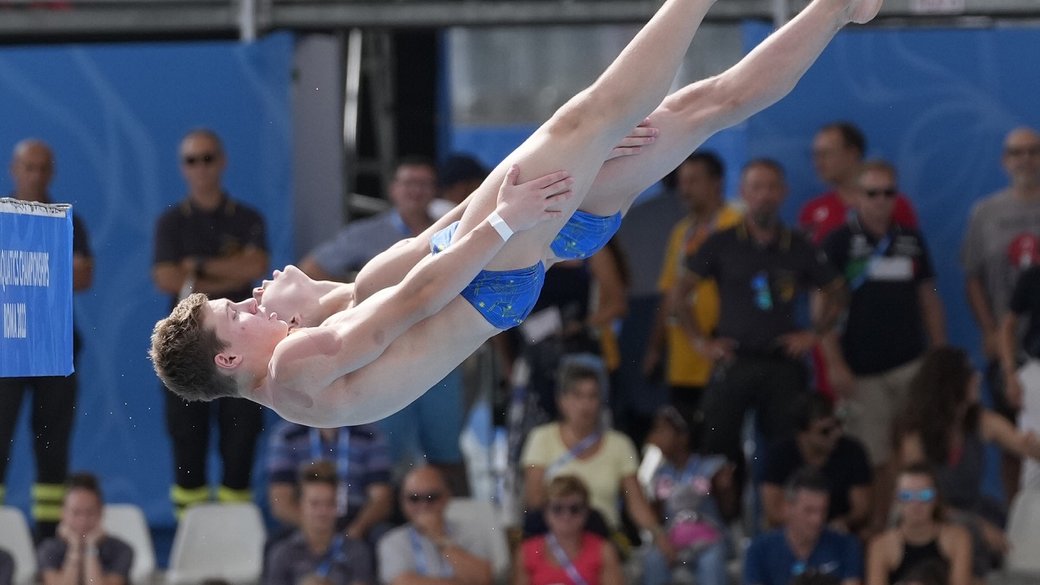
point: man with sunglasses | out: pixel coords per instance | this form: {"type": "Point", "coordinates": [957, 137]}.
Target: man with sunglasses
{"type": "Point", "coordinates": [429, 548]}
{"type": "Point", "coordinates": [894, 315]}
{"type": "Point", "coordinates": [217, 245]}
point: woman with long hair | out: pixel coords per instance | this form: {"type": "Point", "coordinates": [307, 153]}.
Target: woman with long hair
{"type": "Point", "coordinates": [946, 427]}
{"type": "Point", "coordinates": [921, 535]}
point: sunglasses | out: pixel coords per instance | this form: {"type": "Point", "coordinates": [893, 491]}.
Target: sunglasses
{"type": "Point", "coordinates": [428, 498]}
{"type": "Point", "coordinates": [207, 159]}
{"type": "Point", "coordinates": [1023, 151]}
{"type": "Point", "coordinates": [571, 509]}
{"type": "Point", "coordinates": [925, 495]}
{"type": "Point", "coordinates": [890, 192]}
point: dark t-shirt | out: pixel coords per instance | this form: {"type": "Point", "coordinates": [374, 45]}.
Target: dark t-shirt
{"type": "Point", "coordinates": [759, 285]}
{"type": "Point", "coordinates": [185, 231]}
{"type": "Point", "coordinates": [291, 560]}
{"type": "Point", "coordinates": [115, 555]}
{"type": "Point", "coordinates": [846, 468]}
{"type": "Point", "coordinates": [1025, 301]}
{"type": "Point", "coordinates": [885, 326]}
{"type": "Point", "coordinates": [769, 561]}
{"type": "Point", "coordinates": [6, 568]}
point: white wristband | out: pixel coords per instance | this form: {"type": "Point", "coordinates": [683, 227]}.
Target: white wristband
{"type": "Point", "coordinates": [500, 226]}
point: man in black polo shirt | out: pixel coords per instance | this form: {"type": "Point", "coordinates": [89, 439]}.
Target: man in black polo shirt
{"type": "Point", "coordinates": [894, 314]}
{"type": "Point", "coordinates": [761, 267]}
{"type": "Point", "coordinates": [213, 244]}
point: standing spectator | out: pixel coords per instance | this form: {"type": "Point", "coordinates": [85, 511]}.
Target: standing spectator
{"type": "Point", "coordinates": [947, 428]}
{"type": "Point", "coordinates": [430, 549]}
{"type": "Point", "coordinates": [1003, 239]}
{"type": "Point", "coordinates": [427, 429]}
{"type": "Point", "coordinates": [761, 268]}
{"type": "Point", "coordinates": [53, 397]}
{"type": "Point", "coordinates": [1023, 383]}
{"type": "Point", "coordinates": [605, 460]}
{"type": "Point", "coordinates": [699, 186]}
{"type": "Point", "coordinates": [6, 568]}
{"type": "Point", "coordinates": [567, 552]}
{"type": "Point", "coordinates": [920, 537]}
{"type": "Point", "coordinates": [837, 152]}
{"type": "Point", "coordinates": [316, 547]}
{"type": "Point", "coordinates": [361, 465]}
{"type": "Point", "coordinates": [217, 245]}
{"type": "Point", "coordinates": [820, 445]}
{"type": "Point", "coordinates": [894, 315]}
{"type": "Point", "coordinates": [694, 496]}
{"type": "Point", "coordinates": [82, 552]}
{"type": "Point", "coordinates": [804, 545]}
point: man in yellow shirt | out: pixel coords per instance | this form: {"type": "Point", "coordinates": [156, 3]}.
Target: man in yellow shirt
{"type": "Point", "coordinates": [699, 186]}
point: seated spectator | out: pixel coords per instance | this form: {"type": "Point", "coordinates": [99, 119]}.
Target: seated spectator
{"type": "Point", "coordinates": [804, 545]}
{"type": "Point", "coordinates": [921, 542]}
{"type": "Point", "coordinates": [430, 549]}
{"type": "Point", "coordinates": [567, 553]}
{"type": "Point", "coordinates": [604, 459]}
{"type": "Point", "coordinates": [81, 552]}
{"type": "Point", "coordinates": [821, 445]}
{"type": "Point", "coordinates": [6, 568]}
{"type": "Point", "coordinates": [947, 428]}
{"type": "Point", "coordinates": [692, 493]}
{"type": "Point", "coordinates": [364, 497]}
{"type": "Point", "coordinates": [316, 547]}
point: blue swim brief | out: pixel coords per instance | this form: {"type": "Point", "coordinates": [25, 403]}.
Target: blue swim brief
{"type": "Point", "coordinates": [504, 297]}
{"type": "Point", "coordinates": [584, 235]}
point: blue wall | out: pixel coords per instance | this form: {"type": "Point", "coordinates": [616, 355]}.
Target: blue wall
{"type": "Point", "coordinates": [115, 116]}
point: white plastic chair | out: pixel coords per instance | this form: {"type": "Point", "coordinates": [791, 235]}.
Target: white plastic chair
{"type": "Point", "coordinates": [1024, 534]}
{"type": "Point", "coordinates": [16, 539]}
{"type": "Point", "coordinates": [127, 523]}
{"type": "Point", "coordinates": [224, 541]}
{"type": "Point", "coordinates": [481, 513]}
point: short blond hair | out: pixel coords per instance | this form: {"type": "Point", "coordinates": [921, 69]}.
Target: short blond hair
{"type": "Point", "coordinates": [563, 486]}
{"type": "Point", "coordinates": [183, 350]}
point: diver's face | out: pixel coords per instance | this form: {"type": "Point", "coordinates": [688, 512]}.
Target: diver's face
{"type": "Point", "coordinates": [290, 293]}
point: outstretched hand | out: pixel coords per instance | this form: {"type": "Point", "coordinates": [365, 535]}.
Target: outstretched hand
{"type": "Point", "coordinates": [525, 205]}
{"type": "Point", "coordinates": [642, 135]}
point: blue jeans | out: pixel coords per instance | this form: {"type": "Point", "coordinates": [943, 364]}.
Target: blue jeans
{"type": "Point", "coordinates": [709, 567]}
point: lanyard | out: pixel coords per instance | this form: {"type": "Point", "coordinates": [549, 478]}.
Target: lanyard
{"type": "Point", "coordinates": [563, 560]}
{"type": "Point", "coordinates": [420, 557]}
{"type": "Point", "coordinates": [342, 456]}
{"type": "Point", "coordinates": [878, 252]}
{"type": "Point", "coordinates": [575, 451]}
{"type": "Point", "coordinates": [335, 552]}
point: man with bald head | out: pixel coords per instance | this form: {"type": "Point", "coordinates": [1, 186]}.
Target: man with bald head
{"type": "Point", "coordinates": [53, 397]}
{"type": "Point", "coordinates": [1003, 240]}
{"type": "Point", "coordinates": [430, 549]}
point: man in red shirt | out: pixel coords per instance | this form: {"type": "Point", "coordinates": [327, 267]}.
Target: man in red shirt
{"type": "Point", "coordinates": [837, 154]}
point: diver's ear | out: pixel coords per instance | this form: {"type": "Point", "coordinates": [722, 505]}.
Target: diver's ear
{"type": "Point", "coordinates": [228, 361]}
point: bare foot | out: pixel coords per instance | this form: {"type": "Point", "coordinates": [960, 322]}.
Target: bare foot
{"type": "Point", "coordinates": [861, 11]}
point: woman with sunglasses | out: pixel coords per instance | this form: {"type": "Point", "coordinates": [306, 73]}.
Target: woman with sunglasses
{"type": "Point", "coordinates": [947, 428]}
{"type": "Point", "coordinates": [921, 535]}
{"type": "Point", "coordinates": [568, 553]}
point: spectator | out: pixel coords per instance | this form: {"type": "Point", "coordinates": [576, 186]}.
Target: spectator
{"type": "Point", "coordinates": [604, 459]}
{"type": "Point", "coordinates": [1023, 383]}
{"type": "Point", "coordinates": [761, 268]}
{"type": "Point", "coordinates": [837, 152]}
{"type": "Point", "coordinates": [686, 371]}
{"type": "Point", "coordinates": [429, 428]}
{"type": "Point", "coordinates": [1002, 240]}
{"type": "Point", "coordinates": [6, 568]}
{"type": "Point", "coordinates": [567, 552]}
{"type": "Point", "coordinates": [361, 460]}
{"type": "Point", "coordinates": [694, 496]}
{"type": "Point", "coordinates": [946, 427]}
{"type": "Point", "coordinates": [82, 552]}
{"type": "Point", "coordinates": [894, 315]}
{"type": "Point", "coordinates": [431, 549]}
{"type": "Point", "coordinates": [53, 397]}
{"type": "Point", "coordinates": [460, 174]}
{"type": "Point", "coordinates": [316, 547]}
{"type": "Point", "coordinates": [820, 445]}
{"type": "Point", "coordinates": [804, 545]}
{"type": "Point", "coordinates": [921, 540]}
{"type": "Point", "coordinates": [217, 245]}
